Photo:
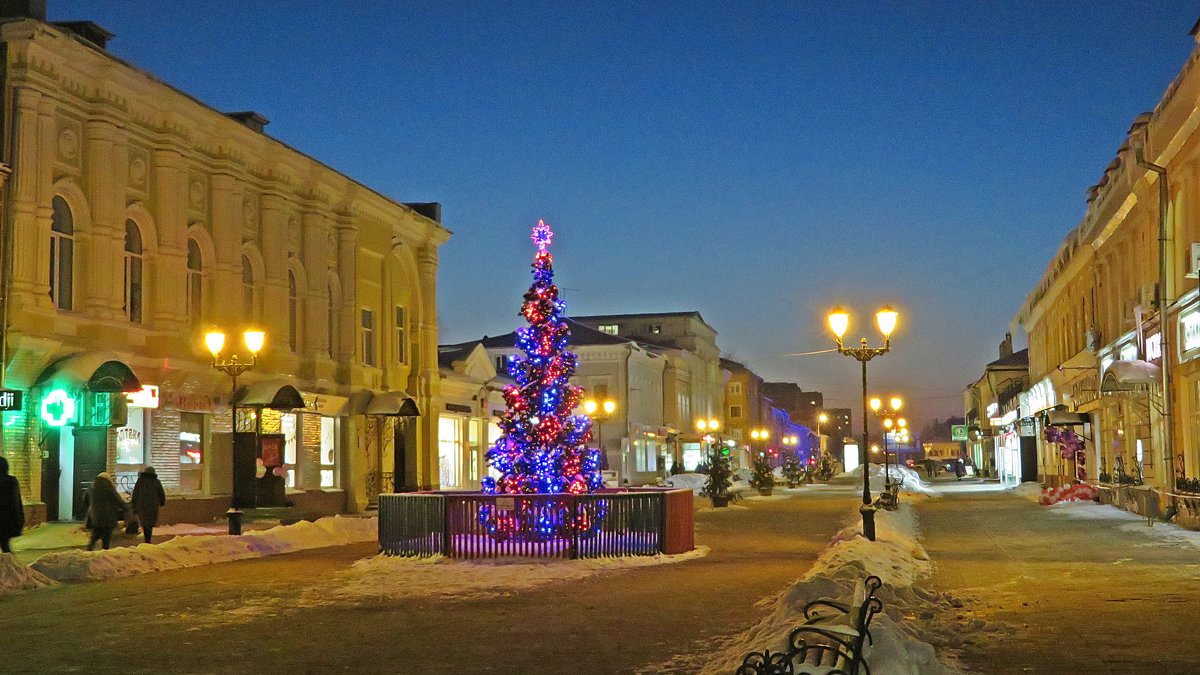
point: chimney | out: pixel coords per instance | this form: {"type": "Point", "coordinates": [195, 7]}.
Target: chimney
{"type": "Point", "coordinates": [88, 31]}
{"type": "Point", "coordinates": [1006, 346]}
{"type": "Point", "coordinates": [250, 119]}
{"type": "Point", "coordinates": [23, 9]}
{"type": "Point", "coordinates": [431, 210]}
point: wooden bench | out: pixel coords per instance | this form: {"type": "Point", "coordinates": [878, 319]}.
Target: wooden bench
{"type": "Point", "coordinates": [831, 641]}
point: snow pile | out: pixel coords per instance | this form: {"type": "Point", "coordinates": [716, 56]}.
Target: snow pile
{"type": "Point", "coordinates": [1076, 492]}
{"type": "Point", "coordinates": [197, 550]}
{"type": "Point", "coordinates": [385, 577]}
{"type": "Point", "coordinates": [16, 577]}
{"type": "Point", "coordinates": [896, 557]}
{"type": "Point", "coordinates": [912, 482]}
{"type": "Point", "coordinates": [1028, 490]}
{"type": "Point", "coordinates": [687, 481]}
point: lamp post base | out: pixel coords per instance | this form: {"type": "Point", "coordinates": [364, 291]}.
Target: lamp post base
{"type": "Point", "coordinates": [868, 516]}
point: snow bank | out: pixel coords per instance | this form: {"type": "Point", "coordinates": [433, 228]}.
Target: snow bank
{"type": "Point", "coordinates": [391, 577]}
{"type": "Point", "coordinates": [896, 557]}
{"type": "Point", "coordinates": [16, 577]}
{"type": "Point", "coordinates": [687, 481]}
{"type": "Point", "coordinates": [197, 550]}
{"type": "Point", "coordinates": [912, 481]}
{"type": "Point", "coordinates": [1028, 490]}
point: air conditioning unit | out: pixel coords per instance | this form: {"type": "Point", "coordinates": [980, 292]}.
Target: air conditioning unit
{"type": "Point", "coordinates": [1147, 297]}
{"type": "Point", "coordinates": [1194, 264]}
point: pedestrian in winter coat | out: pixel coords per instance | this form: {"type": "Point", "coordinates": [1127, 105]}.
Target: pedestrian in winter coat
{"type": "Point", "coordinates": [12, 511]}
{"type": "Point", "coordinates": [147, 497]}
{"type": "Point", "coordinates": [105, 508]}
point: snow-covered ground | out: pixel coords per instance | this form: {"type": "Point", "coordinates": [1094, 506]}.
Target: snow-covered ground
{"type": "Point", "coordinates": [49, 536]}
{"type": "Point", "coordinates": [17, 577]}
{"type": "Point", "coordinates": [190, 551]}
{"type": "Point", "coordinates": [695, 482]}
{"type": "Point", "coordinates": [897, 557]}
{"type": "Point", "coordinates": [913, 484]}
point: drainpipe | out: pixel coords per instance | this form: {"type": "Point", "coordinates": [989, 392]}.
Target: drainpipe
{"type": "Point", "coordinates": [1168, 431]}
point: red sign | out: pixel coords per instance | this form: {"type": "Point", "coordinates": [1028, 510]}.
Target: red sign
{"type": "Point", "coordinates": [270, 449]}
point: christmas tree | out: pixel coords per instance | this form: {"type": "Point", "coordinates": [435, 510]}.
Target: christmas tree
{"type": "Point", "coordinates": [720, 474]}
{"type": "Point", "coordinates": [762, 478]}
{"type": "Point", "coordinates": [794, 470]}
{"type": "Point", "coordinates": [542, 447]}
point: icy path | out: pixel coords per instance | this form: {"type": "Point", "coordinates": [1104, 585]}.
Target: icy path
{"type": "Point", "coordinates": [1078, 588]}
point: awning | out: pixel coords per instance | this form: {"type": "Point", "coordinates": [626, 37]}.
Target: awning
{"type": "Point", "coordinates": [274, 394]}
{"type": "Point", "coordinates": [394, 403]}
{"type": "Point", "coordinates": [1129, 376]}
{"type": "Point", "coordinates": [1062, 418]}
{"type": "Point", "coordinates": [91, 371]}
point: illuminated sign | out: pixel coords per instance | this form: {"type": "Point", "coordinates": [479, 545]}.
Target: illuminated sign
{"type": "Point", "coordinates": [1191, 331]}
{"type": "Point", "coordinates": [992, 409]}
{"type": "Point", "coordinates": [147, 397]}
{"type": "Point", "coordinates": [10, 399]}
{"type": "Point", "coordinates": [1154, 347]}
{"type": "Point", "coordinates": [57, 408]}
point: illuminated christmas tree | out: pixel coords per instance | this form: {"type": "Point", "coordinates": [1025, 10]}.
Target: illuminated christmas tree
{"type": "Point", "coordinates": [542, 448]}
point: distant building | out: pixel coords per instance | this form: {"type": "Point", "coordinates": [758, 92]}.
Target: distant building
{"type": "Point", "coordinates": [803, 406]}
{"type": "Point", "coordinates": [839, 427]}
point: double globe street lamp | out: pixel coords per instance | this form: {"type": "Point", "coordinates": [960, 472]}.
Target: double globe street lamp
{"type": "Point", "coordinates": [839, 322]}
{"type": "Point", "coordinates": [600, 411]}
{"type": "Point", "coordinates": [233, 367]}
{"type": "Point", "coordinates": [888, 416]}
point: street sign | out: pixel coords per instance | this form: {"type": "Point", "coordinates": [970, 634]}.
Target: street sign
{"type": "Point", "coordinates": [10, 399]}
{"type": "Point", "coordinates": [958, 432]}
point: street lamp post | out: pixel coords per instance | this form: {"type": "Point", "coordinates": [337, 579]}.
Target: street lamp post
{"type": "Point", "coordinates": [888, 415]}
{"type": "Point", "coordinates": [839, 321]}
{"type": "Point", "coordinates": [759, 435]}
{"type": "Point", "coordinates": [234, 367]}
{"type": "Point", "coordinates": [593, 409]}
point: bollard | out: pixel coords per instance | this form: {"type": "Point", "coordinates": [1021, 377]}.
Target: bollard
{"type": "Point", "coordinates": [235, 521]}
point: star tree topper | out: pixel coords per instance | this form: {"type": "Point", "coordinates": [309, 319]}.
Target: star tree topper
{"type": "Point", "coordinates": [541, 235]}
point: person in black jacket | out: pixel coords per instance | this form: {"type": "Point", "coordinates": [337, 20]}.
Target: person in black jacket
{"type": "Point", "coordinates": [105, 508]}
{"type": "Point", "coordinates": [148, 496]}
{"type": "Point", "coordinates": [12, 510]}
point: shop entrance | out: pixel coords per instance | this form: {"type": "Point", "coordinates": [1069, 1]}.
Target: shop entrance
{"type": "Point", "coordinates": [90, 457]}
{"type": "Point", "coordinates": [400, 457]}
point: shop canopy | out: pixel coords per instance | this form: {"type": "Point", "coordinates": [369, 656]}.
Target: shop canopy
{"type": "Point", "coordinates": [273, 394]}
{"type": "Point", "coordinates": [1065, 418]}
{"type": "Point", "coordinates": [90, 371]}
{"type": "Point", "coordinates": [1133, 375]}
{"type": "Point", "coordinates": [393, 403]}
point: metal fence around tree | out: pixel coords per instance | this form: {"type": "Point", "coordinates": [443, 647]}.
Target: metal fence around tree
{"type": "Point", "coordinates": [461, 524]}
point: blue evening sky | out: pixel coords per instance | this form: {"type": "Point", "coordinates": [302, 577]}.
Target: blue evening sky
{"type": "Point", "coordinates": [756, 161]}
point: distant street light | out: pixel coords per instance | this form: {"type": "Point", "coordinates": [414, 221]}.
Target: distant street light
{"type": "Point", "coordinates": [839, 322]}
{"type": "Point", "coordinates": [888, 415]}
{"type": "Point", "coordinates": [600, 411]}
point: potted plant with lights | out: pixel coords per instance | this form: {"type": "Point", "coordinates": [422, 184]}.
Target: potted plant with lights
{"type": "Point", "coordinates": [762, 479]}
{"type": "Point", "coordinates": [720, 473]}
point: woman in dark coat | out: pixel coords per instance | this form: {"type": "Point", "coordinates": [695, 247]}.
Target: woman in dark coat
{"type": "Point", "coordinates": [147, 497]}
{"type": "Point", "coordinates": [105, 508]}
{"type": "Point", "coordinates": [12, 511]}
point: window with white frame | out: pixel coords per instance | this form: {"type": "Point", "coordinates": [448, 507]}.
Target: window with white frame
{"type": "Point", "coordinates": [450, 451]}
{"type": "Point", "coordinates": [133, 272]}
{"type": "Point", "coordinates": [735, 411]}
{"type": "Point", "coordinates": [328, 452]}
{"type": "Point", "coordinates": [368, 337]}
{"type": "Point", "coordinates": [195, 284]}
{"type": "Point", "coordinates": [62, 254]}
{"type": "Point", "coordinates": [401, 334]}
{"type": "Point", "coordinates": [735, 387]}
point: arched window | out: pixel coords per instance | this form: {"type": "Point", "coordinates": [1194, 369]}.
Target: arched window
{"type": "Point", "coordinates": [133, 272]}
{"type": "Point", "coordinates": [293, 313]}
{"type": "Point", "coordinates": [62, 253]}
{"type": "Point", "coordinates": [331, 323]}
{"type": "Point", "coordinates": [195, 283]}
{"type": "Point", "coordinates": [247, 289]}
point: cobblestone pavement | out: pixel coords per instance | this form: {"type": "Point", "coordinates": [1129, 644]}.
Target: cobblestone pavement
{"type": "Point", "coordinates": [608, 623]}
{"type": "Point", "coordinates": [1095, 595]}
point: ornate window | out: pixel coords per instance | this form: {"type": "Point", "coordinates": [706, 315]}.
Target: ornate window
{"type": "Point", "coordinates": [368, 337]}
{"type": "Point", "coordinates": [293, 313]}
{"type": "Point", "coordinates": [62, 254]}
{"type": "Point", "coordinates": [133, 272]}
{"type": "Point", "coordinates": [195, 283]}
{"type": "Point", "coordinates": [248, 289]}
{"type": "Point", "coordinates": [401, 334]}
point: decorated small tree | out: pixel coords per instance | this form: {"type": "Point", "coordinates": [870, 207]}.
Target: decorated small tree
{"type": "Point", "coordinates": [762, 478]}
{"type": "Point", "coordinates": [542, 446]}
{"type": "Point", "coordinates": [720, 475]}
{"type": "Point", "coordinates": [794, 471]}
{"type": "Point", "coordinates": [825, 467]}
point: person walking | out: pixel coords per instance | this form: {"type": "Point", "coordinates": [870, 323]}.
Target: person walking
{"type": "Point", "coordinates": [105, 508]}
{"type": "Point", "coordinates": [148, 496]}
{"type": "Point", "coordinates": [12, 510]}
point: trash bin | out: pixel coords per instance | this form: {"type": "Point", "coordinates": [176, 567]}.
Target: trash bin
{"type": "Point", "coordinates": [235, 521]}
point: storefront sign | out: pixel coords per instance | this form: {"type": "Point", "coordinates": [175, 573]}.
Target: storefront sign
{"type": "Point", "coordinates": [10, 399]}
{"type": "Point", "coordinates": [271, 450]}
{"type": "Point", "coordinates": [1154, 347]}
{"type": "Point", "coordinates": [1190, 324]}
{"type": "Point", "coordinates": [1039, 397]}
{"type": "Point", "coordinates": [189, 402]}
{"type": "Point", "coordinates": [958, 432]}
{"type": "Point", "coordinates": [325, 404]}
{"type": "Point", "coordinates": [147, 397]}
{"type": "Point", "coordinates": [1027, 427]}
{"type": "Point", "coordinates": [57, 408]}
{"type": "Point", "coordinates": [459, 408]}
